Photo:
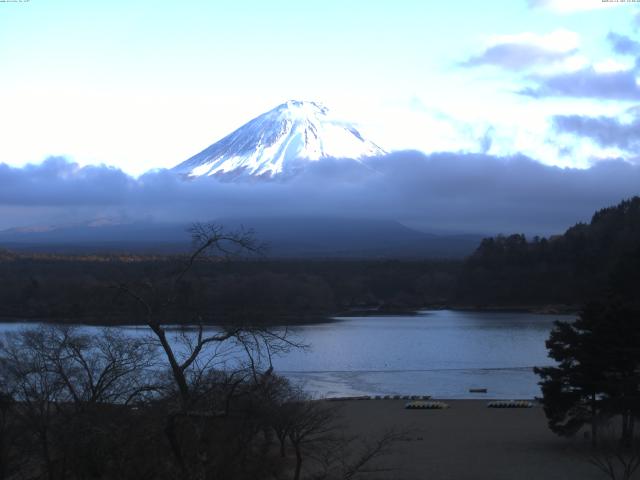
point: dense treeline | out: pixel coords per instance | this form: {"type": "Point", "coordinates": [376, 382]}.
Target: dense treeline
{"type": "Point", "coordinates": [566, 269]}
{"type": "Point", "coordinates": [82, 288]}
{"type": "Point", "coordinates": [596, 378]}
{"type": "Point", "coordinates": [505, 271]}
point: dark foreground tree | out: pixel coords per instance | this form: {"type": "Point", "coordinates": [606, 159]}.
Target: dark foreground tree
{"type": "Point", "coordinates": [598, 371]}
{"type": "Point", "coordinates": [62, 389]}
{"type": "Point", "coordinates": [199, 358]}
{"type": "Point", "coordinates": [616, 460]}
{"type": "Point", "coordinates": [77, 406]}
{"type": "Point", "coordinates": [319, 446]}
{"type": "Point", "coordinates": [197, 349]}
{"type": "Point", "coordinates": [9, 431]}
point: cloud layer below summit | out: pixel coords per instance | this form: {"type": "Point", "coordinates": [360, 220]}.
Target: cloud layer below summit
{"type": "Point", "coordinates": [440, 192]}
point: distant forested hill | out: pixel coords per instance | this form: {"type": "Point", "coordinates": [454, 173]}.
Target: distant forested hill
{"type": "Point", "coordinates": [587, 260]}
{"type": "Point", "coordinates": [82, 288]}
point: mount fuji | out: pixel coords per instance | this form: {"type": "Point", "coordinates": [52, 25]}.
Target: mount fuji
{"type": "Point", "coordinates": [279, 143]}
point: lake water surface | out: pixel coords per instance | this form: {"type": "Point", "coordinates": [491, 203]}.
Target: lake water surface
{"type": "Point", "coordinates": [442, 353]}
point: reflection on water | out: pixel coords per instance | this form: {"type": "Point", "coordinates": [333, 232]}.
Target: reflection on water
{"type": "Point", "coordinates": [441, 353]}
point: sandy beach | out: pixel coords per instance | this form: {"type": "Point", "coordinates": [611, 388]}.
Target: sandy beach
{"type": "Point", "coordinates": [470, 441]}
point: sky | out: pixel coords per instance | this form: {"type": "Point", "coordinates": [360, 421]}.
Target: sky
{"type": "Point", "coordinates": [94, 92]}
{"type": "Point", "coordinates": [145, 84]}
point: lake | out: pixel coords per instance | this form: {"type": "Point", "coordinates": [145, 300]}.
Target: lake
{"type": "Point", "coordinates": [442, 353]}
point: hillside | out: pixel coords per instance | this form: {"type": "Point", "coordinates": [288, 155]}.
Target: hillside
{"type": "Point", "coordinates": [587, 260]}
{"type": "Point", "coordinates": [285, 237]}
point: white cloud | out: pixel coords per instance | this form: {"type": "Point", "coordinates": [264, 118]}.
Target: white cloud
{"type": "Point", "coordinates": [526, 50]}
{"type": "Point", "coordinates": [572, 64]}
{"type": "Point", "coordinates": [610, 66]}
{"type": "Point", "coordinates": [570, 6]}
{"type": "Point", "coordinates": [561, 41]}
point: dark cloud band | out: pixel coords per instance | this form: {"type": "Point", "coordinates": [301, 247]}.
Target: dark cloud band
{"type": "Point", "coordinates": [465, 193]}
{"type": "Point", "coordinates": [605, 131]}
{"type": "Point", "coordinates": [516, 56]}
{"type": "Point", "coordinates": [623, 45]}
{"type": "Point", "coordinates": [587, 83]}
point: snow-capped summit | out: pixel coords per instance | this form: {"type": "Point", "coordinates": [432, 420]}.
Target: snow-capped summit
{"type": "Point", "coordinates": [279, 141]}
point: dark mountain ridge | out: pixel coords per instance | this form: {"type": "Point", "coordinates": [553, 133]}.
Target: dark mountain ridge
{"type": "Point", "coordinates": [310, 237]}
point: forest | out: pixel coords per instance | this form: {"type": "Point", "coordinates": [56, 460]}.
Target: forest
{"type": "Point", "coordinates": [586, 261]}
{"type": "Point", "coordinates": [506, 271]}
{"type": "Point", "coordinates": [83, 289]}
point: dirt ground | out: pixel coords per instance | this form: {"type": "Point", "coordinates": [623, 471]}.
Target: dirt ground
{"type": "Point", "coordinates": [470, 441]}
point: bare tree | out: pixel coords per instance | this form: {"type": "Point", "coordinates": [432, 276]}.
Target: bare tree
{"type": "Point", "coordinates": [61, 380]}
{"type": "Point", "coordinates": [618, 459]}
{"type": "Point", "coordinates": [8, 432]}
{"type": "Point", "coordinates": [211, 243]}
{"type": "Point", "coordinates": [322, 450]}
{"type": "Point", "coordinates": [310, 423]}
{"type": "Point", "coordinates": [37, 389]}
{"type": "Point", "coordinates": [242, 353]}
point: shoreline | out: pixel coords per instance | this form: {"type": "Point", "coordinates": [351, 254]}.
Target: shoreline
{"type": "Point", "coordinates": [314, 319]}
{"type": "Point", "coordinates": [429, 398]}
{"type": "Point", "coordinates": [279, 322]}
{"type": "Point", "coordinates": [545, 309]}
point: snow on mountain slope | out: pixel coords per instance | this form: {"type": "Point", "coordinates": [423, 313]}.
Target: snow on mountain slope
{"type": "Point", "coordinates": [277, 142]}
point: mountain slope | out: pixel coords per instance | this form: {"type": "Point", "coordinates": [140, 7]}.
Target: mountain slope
{"type": "Point", "coordinates": [279, 142]}
{"type": "Point", "coordinates": [285, 238]}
